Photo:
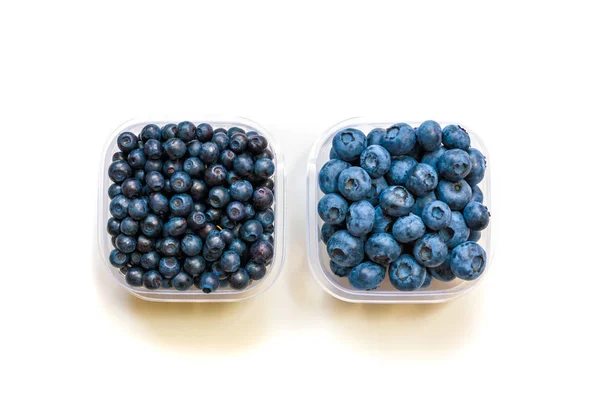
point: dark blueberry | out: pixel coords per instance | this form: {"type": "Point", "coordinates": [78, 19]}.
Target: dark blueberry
{"type": "Point", "coordinates": [168, 247]}
{"type": "Point", "coordinates": [204, 132]}
{"type": "Point", "coordinates": [399, 139]}
{"type": "Point", "coordinates": [474, 236]}
{"type": "Point", "coordinates": [172, 166]}
{"type": "Point", "coordinates": [180, 182]}
{"type": "Point", "coordinates": [144, 244]}
{"type": "Point", "coordinates": [119, 156]}
{"type": "Point", "coordinates": [261, 251]}
{"type": "Point", "coordinates": [134, 276]}
{"type": "Point", "coordinates": [236, 211]}
{"type": "Point", "coordinates": [360, 218]}
{"type": "Point", "coordinates": [227, 235]}
{"type": "Point", "coordinates": [153, 149]}
{"type": "Point", "coordinates": [455, 137]}
{"type": "Point", "coordinates": [194, 265]}
{"type": "Point", "coordinates": [256, 271]}
{"type": "Point", "coordinates": [455, 194]}
{"type": "Point", "coordinates": [227, 223]}
{"type": "Point", "coordinates": [338, 270]}
{"type": "Point", "coordinates": [345, 249]}
{"type": "Point", "coordinates": [205, 230]}
{"type": "Point", "coordinates": [407, 274]}
{"type": "Point", "coordinates": [429, 135]}
{"type": "Point", "coordinates": [175, 227]}
{"type": "Point", "coordinates": [214, 215]}
{"type": "Point", "coordinates": [129, 226]}
{"type": "Point", "coordinates": [265, 154]}
{"type": "Point", "coordinates": [251, 230]}
{"type": "Point", "coordinates": [235, 130]}
{"type": "Point", "coordinates": [416, 152]}
{"type": "Point", "coordinates": [151, 225]}
{"type": "Point", "coordinates": [382, 248]}
{"type": "Point", "coordinates": [376, 161]}
{"type": "Point", "coordinates": [253, 179]}
{"type": "Point", "coordinates": [198, 190]}
{"type": "Point", "coordinates": [455, 233]}
{"type": "Point", "coordinates": [430, 250]}
{"type": "Point", "coordinates": [118, 171]}
{"type": "Point", "coordinates": [443, 272]}
{"type": "Point", "coordinates": [138, 209]}
{"type": "Point", "coordinates": [159, 204]}
{"type": "Point", "coordinates": [241, 190]}
{"type": "Point", "coordinates": [477, 194]}
{"type": "Point", "coordinates": [175, 148]}
{"type": "Point", "coordinates": [218, 197]}
{"type": "Point", "coordinates": [186, 131]}
{"type": "Point", "coordinates": [199, 207]}
{"type": "Point", "coordinates": [432, 158]}
{"type": "Point", "coordinates": [239, 246]}
{"type": "Point", "coordinates": [476, 216]}
{"type": "Point", "coordinates": [436, 215]}
{"type": "Point", "coordinates": [374, 137]}
{"type": "Point", "coordinates": [127, 142]}
{"type": "Point", "coordinates": [238, 142]}
{"type": "Point", "coordinates": [221, 140]}
{"type": "Point", "coordinates": [266, 217]}
{"type": "Point", "coordinates": [468, 260]}
{"type": "Point", "coordinates": [113, 227]}
{"type": "Point", "coordinates": [421, 180]}
{"type": "Point", "coordinates": [262, 198]}
{"type": "Point", "coordinates": [214, 241]}
{"type": "Point", "coordinates": [264, 168]}
{"type": "Point", "coordinates": [119, 206]}
{"type": "Point", "coordinates": [349, 144]}
{"type": "Point", "coordinates": [269, 183]}
{"type": "Point", "coordinates": [250, 212]}
{"type": "Point", "coordinates": [152, 280]}
{"type": "Point", "coordinates": [366, 276]}
{"type": "Point", "coordinates": [396, 201]}
{"type": "Point", "coordinates": [196, 220]}
{"type": "Point", "coordinates": [256, 143]}
{"type": "Point", "coordinates": [428, 279]}
{"type": "Point", "coordinates": [193, 148]}
{"type": "Point", "coordinates": [140, 175]}
{"type": "Point", "coordinates": [400, 169]}
{"type": "Point", "coordinates": [232, 178]}
{"type": "Point", "coordinates": [155, 181]}
{"type": "Point", "coordinates": [193, 167]}
{"type": "Point", "coordinates": [169, 267]}
{"type": "Point", "coordinates": [191, 245]}
{"type": "Point", "coordinates": [118, 258]}
{"type": "Point", "coordinates": [421, 202]}
{"type": "Point", "coordinates": [239, 279]}
{"type": "Point", "coordinates": [167, 189]}
{"type": "Point", "coordinates": [114, 190]}
{"type": "Point", "coordinates": [137, 158]}
{"type": "Point", "coordinates": [209, 153]}
{"type": "Point", "coordinates": [332, 208]}
{"type": "Point", "coordinates": [267, 237]}
{"type": "Point", "coordinates": [454, 165]}
{"type": "Point", "coordinates": [150, 260]}
{"type": "Point", "coordinates": [230, 261]}
{"type": "Point", "coordinates": [354, 183]}
{"type": "Point", "coordinates": [226, 158]}
{"type": "Point", "coordinates": [478, 165]}
{"type": "Point", "coordinates": [182, 281]}
{"type": "Point", "coordinates": [113, 239]}
{"type": "Point", "coordinates": [377, 186]}
{"type": "Point", "coordinates": [243, 165]}
{"type": "Point", "coordinates": [125, 243]}
{"type": "Point", "coordinates": [382, 223]}
{"type": "Point", "coordinates": [208, 282]}
{"type": "Point", "coordinates": [215, 175]}
{"type": "Point", "coordinates": [408, 229]}
{"type": "Point", "coordinates": [327, 230]}
{"type": "Point", "coordinates": [211, 255]}
{"type": "Point", "coordinates": [181, 205]}
{"type": "Point", "coordinates": [150, 132]}
{"type": "Point", "coordinates": [168, 132]}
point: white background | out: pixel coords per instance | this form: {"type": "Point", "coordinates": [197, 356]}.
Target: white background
{"type": "Point", "coordinates": [524, 75]}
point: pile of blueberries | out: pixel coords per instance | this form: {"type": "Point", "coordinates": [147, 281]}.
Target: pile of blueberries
{"type": "Point", "coordinates": [405, 201]}
{"type": "Point", "coordinates": [191, 206]}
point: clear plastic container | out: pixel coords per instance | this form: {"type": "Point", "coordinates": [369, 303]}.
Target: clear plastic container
{"type": "Point", "coordinates": [317, 252]}
{"type": "Point", "coordinates": [194, 294]}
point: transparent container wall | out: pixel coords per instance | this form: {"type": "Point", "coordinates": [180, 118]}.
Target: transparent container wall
{"type": "Point", "coordinates": [319, 259]}
{"type": "Point", "coordinates": [194, 294]}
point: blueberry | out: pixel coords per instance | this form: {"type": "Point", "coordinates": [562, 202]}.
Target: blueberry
{"type": "Point", "coordinates": [332, 208]}
{"type": "Point", "coordinates": [349, 144]}
{"type": "Point", "coordinates": [228, 235]}
{"type": "Point", "coordinates": [455, 137]}
{"type": "Point", "coordinates": [432, 157]}
{"type": "Point", "coordinates": [215, 175]}
{"type": "Point", "coordinates": [127, 142]}
{"type": "Point", "coordinates": [262, 198]}
{"type": "Point", "coordinates": [407, 274]}
{"type": "Point", "coordinates": [382, 223]}
{"type": "Point", "coordinates": [227, 223]}
{"type": "Point", "coordinates": [408, 229]}
{"type": "Point", "coordinates": [455, 194]}
{"type": "Point", "coordinates": [118, 258]}
{"type": "Point", "coordinates": [150, 260]}
{"type": "Point", "coordinates": [139, 175]}
{"type": "Point", "coordinates": [119, 206]}
{"type": "Point", "coordinates": [181, 205]}
{"type": "Point", "coordinates": [136, 158]}
{"type": "Point", "coordinates": [150, 132]}
{"type": "Point", "coordinates": [193, 167]}
{"type": "Point", "coordinates": [119, 156]}
{"type": "Point", "coordinates": [236, 211]}
{"type": "Point", "coordinates": [114, 190]}
{"type": "Point", "coordinates": [239, 247]}
{"type": "Point", "coordinates": [171, 166]}
{"type": "Point", "coordinates": [208, 282]}
{"type": "Point", "coordinates": [153, 165]}
{"type": "Point", "coordinates": [421, 180]}
{"type": "Point", "coordinates": [199, 207]}
{"type": "Point", "coordinates": [399, 139]}
{"type": "Point", "coordinates": [175, 148]}
{"type": "Point", "coordinates": [381, 248]}
{"type": "Point", "coordinates": [430, 250]}
{"type": "Point", "coordinates": [333, 154]}
{"type": "Point", "coordinates": [256, 143]}
{"type": "Point", "coordinates": [360, 218]}
{"type": "Point", "coordinates": [219, 197]}
{"type": "Point", "coordinates": [205, 230]}
{"type": "Point", "coordinates": [152, 280]}
{"type": "Point", "coordinates": [129, 226]}
{"type": "Point", "coordinates": [265, 154]}
{"type": "Point", "coordinates": [428, 279]}
{"type": "Point", "coordinates": [235, 130]}
{"type": "Point", "coordinates": [182, 281]}
{"type": "Point", "coordinates": [193, 148]}
{"type": "Point", "coordinates": [266, 217]}
{"type": "Point", "coordinates": [354, 183]}
{"type": "Point", "coordinates": [250, 212]}
{"type": "Point", "coordinates": [145, 244]}
{"type": "Point", "coordinates": [230, 261]}
{"type": "Point", "coordinates": [196, 220]}
{"type": "Point", "coordinates": [153, 149]}
{"type": "Point", "coordinates": [261, 251]}
{"type": "Point", "coordinates": [476, 194]}
{"type": "Point", "coordinates": [198, 190]}
{"type": "Point", "coordinates": [474, 236]}
{"type": "Point", "coordinates": [155, 181]}
{"type": "Point", "coordinates": [454, 165]}
{"type": "Point", "coordinates": [125, 243]}
{"type": "Point", "coordinates": [239, 279]}
{"type": "Point", "coordinates": [264, 168]}
{"type": "Point", "coordinates": [204, 132]}
{"type": "Point", "coordinates": [213, 215]}
{"type": "Point", "coordinates": [329, 174]}
{"type": "Point", "coordinates": [251, 230]}
{"type": "Point", "coordinates": [421, 202]}
{"type": "Point", "coordinates": [366, 276]}
{"type": "Point", "coordinates": [238, 142]}
{"type": "Point", "coordinates": [256, 271]}
{"type": "Point", "coordinates": [159, 204]}
{"type": "Point", "coordinates": [436, 215]}
{"type": "Point", "coordinates": [377, 186]}
{"type": "Point", "coordinates": [214, 241]}
{"type": "Point", "coordinates": [376, 161]}
{"type": "Point", "coordinates": [468, 260]}
{"type": "Point", "coordinates": [338, 270]}
{"type": "Point", "coordinates": [232, 178]}
{"type": "Point", "coordinates": [168, 132]}
{"type": "Point", "coordinates": [113, 227]}
{"type": "Point", "coordinates": [138, 209]}
{"type": "Point", "coordinates": [221, 140]}
{"type": "Point", "coordinates": [118, 171]}
{"type": "Point", "coordinates": [455, 233]}
{"type": "Point", "coordinates": [399, 170]}
{"type": "Point", "coordinates": [194, 265]}
{"type": "Point", "coordinates": [374, 137]}
{"type": "Point", "coordinates": [191, 245]}
{"type": "Point", "coordinates": [243, 165]}
{"type": "Point", "coordinates": [345, 249]}
{"type": "Point", "coordinates": [226, 159]}
{"type": "Point", "coordinates": [211, 255]}
{"type": "Point", "coordinates": [209, 152]}
{"type": "Point", "coordinates": [186, 131]}
{"type": "Point", "coordinates": [476, 216]}
{"type": "Point", "coordinates": [396, 201]}
{"type": "Point", "coordinates": [241, 190]}
{"type": "Point", "coordinates": [169, 267]}
{"type": "Point", "coordinates": [134, 276]}
{"type": "Point", "coordinates": [429, 135]}
{"type": "Point", "coordinates": [175, 227]}
{"type": "Point", "coordinates": [478, 165]}
{"type": "Point", "coordinates": [180, 182]}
